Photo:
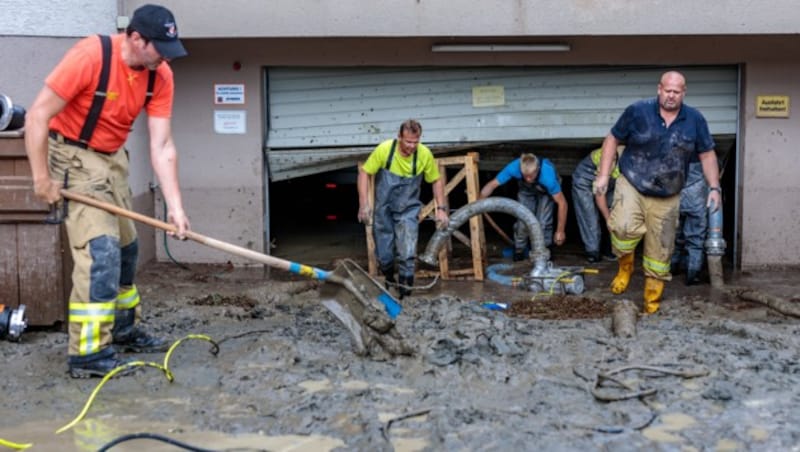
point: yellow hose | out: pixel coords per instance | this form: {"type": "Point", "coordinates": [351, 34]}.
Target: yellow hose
{"type": "Point", "coordinates": [15, 446]}
{"type": "Point", "coordinates": [164, 368]}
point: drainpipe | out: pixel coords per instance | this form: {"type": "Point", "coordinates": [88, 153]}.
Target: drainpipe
{"type": "Point", "coordinates": [715, 247]}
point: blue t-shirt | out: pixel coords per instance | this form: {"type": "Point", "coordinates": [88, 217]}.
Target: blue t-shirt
{"type": "Point", "coordinates": [656, 157]}
{"type": "Point", "coordinates": [548, 178]}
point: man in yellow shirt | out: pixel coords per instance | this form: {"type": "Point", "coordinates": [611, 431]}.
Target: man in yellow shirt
{"type": "Point", "coordinates": [399, 166]}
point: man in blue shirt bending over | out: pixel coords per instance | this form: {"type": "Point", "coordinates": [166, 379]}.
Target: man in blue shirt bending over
{"type": "Point", "coordinates": [539, 189]}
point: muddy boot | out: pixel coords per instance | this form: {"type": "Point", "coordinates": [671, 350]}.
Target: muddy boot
{"type": "Point", "coordinates": [653, 288]}
{"type": "Point", "coordinates": [692, 277]}
{"type": "Point", "coordinates": [81, 367]}
{"type": "Point", "coordinates": [139, 341]}
{"type": "Point", "coordinates": [388, 275]}
{"type": "Point", "coordinates": [404, 289]}
{"type": "Point", "coordinates": [623, 278]}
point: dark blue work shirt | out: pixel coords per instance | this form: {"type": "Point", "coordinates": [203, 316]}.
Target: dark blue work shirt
{"type": "Point", "coordinates": [656, 157]}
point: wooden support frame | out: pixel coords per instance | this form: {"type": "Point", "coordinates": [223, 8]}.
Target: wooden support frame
{"type": "Point", "coordinates": [476, 240]}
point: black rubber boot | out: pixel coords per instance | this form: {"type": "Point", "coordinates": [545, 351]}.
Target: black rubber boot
{"type": "Point", "coordinates": [81, 367]}
{"type": "Point", "coordinates": [388, 274]}
{"type": "Point", "coordinates": [139, 341]}
{"type": "Point", "coordinates": [404, 289]}
{"type": "Point", "coordinates": [692, 277]}
{"type": "Point", "coordinates": [593, 257]}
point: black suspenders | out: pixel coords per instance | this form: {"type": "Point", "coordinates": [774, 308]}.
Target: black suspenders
{"type": "Point", "coordinates": [102, 88]}
{"type": "Point", "coordinates": [391, 156]}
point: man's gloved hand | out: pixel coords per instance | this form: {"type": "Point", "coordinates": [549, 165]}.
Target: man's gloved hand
{"type": "Point", "coordinates": [600, 185]}
{"type": "Point", "coordinates": [365, 214]}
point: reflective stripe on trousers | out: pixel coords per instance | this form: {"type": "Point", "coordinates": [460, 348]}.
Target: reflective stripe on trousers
{"type": "Point", "coordinates": [90, 326]}
{"type": "Point", "coordinates": [634, 216]}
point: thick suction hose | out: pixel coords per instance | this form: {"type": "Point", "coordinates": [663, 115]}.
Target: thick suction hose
{"type": "Point", "coordinates": [540, 254]}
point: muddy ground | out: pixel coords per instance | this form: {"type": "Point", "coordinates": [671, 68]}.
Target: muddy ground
{"type": "Point", "coordinates": [286, 377]}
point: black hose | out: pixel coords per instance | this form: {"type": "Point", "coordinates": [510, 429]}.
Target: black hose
{"type": "Point", "coordinates": [166, 246]}
{"type": "Point", "coordinates": [154, 436]}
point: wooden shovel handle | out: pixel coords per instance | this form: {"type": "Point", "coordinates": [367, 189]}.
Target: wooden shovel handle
{"type": "Point", "coordinates": [199, 238]}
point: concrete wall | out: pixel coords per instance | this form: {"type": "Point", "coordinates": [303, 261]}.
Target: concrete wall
{"type": "Point", "coordinates": [401, 18]}
{"type": "Point", "coordinates": [222, 175]}
{"type": "Point", "coordinates": [770, 188]}
{"type": "Point", "coordinates": [75, 18]}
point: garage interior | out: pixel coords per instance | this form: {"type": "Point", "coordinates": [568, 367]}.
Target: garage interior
{"type": "Point", "coordinates": [313, 219]}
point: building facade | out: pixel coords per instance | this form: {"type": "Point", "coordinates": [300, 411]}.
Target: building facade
{"type": "Point", "coordinates": [277, 90]}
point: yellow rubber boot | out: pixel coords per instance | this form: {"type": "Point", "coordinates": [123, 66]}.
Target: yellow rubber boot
{"type": "Point", "coordinates": [620, 282]}
{"type": "Point", "coordinates": [653, 288]}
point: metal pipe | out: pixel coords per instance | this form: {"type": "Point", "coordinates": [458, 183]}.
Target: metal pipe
{"type": "Point", "coordinates": [539, 254]}
{"type": "Point", "coordinates": [715, 247]}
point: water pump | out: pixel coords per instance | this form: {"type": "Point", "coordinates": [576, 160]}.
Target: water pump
{"type": "Point", "coordinates": [12, 322]}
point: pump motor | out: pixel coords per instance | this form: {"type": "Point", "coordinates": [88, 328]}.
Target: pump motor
{"type": "Point", "coordinates": [12, 322]}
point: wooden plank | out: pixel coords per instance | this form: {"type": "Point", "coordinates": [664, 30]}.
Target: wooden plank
{"type": "Point", "coordinates": [462, 272]}
{"type": "Point", "coordinates": [7, 167]}
{"type": "Point", "coordinates": [67, 264]}
{"type": "Point", "coordinates": [444, 263]}
{"type": "Point", "coordinates": [372, 260]}
{"type": "Point", "coordinates": [21, 217]}
{"type": "Point", "coordinates": [9, 285]}
{"type": "Point", "coordinates": [40, 274]}
{"type": "Point", "coordinates": [23, 168]}
{"type": "Point", "coordinates": [12, 148]}
{"type": "Point", "coordinates": [19, 197]}
{"type": "Point", "coordinates": [448, 187]}
{"type": "Point", "coordinates": [452, 161]}
{"type": "Point", "coordinates": [476, 222]}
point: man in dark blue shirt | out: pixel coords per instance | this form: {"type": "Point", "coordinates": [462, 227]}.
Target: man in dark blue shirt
{"type": "Point", "coordinates": [661, 135]}
{"type": "Point", "coordinates": [539, 189]}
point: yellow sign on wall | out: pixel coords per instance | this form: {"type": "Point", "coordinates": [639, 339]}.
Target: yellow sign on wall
{"type": "Point", "coordinates": [772, 106]}
{"type": "Point", "coordinates": [488, 96]}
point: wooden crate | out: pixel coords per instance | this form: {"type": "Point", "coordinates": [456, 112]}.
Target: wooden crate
{"type": "Point", "coordinates": [34, 257]}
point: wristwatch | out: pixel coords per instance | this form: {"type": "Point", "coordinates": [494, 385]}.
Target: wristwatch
{"type": "Point", "coordinates": [716, 189]}
{"type": "Point", "coordinates": [442, 208]}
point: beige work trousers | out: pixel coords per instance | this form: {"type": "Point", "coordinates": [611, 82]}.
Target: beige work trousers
{"type": "Point", "coordinates": [104, 177]}
{"type": "Point", "coordinates": [634, 216]}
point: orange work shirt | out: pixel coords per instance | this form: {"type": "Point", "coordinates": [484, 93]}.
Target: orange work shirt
{"type": "Point", "coordinates": [75, 80]}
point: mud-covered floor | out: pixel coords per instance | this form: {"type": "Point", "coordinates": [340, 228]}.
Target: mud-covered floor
{"type": "Point", "coordinates": [528, 378]}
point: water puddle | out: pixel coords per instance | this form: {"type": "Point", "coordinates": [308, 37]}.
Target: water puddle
{"type": "Point", "coordinates": [91, 434]}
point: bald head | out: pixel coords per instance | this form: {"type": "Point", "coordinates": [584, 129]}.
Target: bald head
{"type": "Point", "coordinates": [673, 77]}
{"type": "Point", "coordinates": [671, 90]}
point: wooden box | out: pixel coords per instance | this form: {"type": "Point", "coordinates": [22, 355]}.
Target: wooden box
{"type": "Point", "coordinates": [35, 263]}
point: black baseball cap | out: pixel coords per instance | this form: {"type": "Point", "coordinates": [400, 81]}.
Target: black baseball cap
{"type": "Point", "coordinates": [157, 24]}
